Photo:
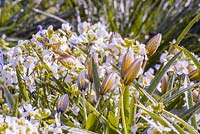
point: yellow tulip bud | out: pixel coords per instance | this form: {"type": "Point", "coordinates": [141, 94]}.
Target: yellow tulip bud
{"type": "Point", "coordinates": [164, 83]}
{"type": "Point", "coordinates": [132, 71]}
{"type": "Point", "coordinates": [194, 75]}
{"type": "Point", "coordinates": [153, 44]}
{"type": "Point", "coordinates": [127, 61]}
{"type": "Point", "coordinates": [108, 83]}
{"type": "Point", "coordinates": [90, 70]}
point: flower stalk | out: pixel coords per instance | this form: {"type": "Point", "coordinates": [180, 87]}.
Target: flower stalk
{"type": "Point", "coordinates": [122, 110]}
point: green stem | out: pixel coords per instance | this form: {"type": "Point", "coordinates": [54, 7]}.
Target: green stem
{"type": "Point", "coordinates": [132, 110]}
{"type": "Point", "coordinates": [190, 103]}
{"type": "Point", "coordinates": [122, 111]}
{"type": "Point", "coordinates": [84, 107]}
{"type": "Point", "coordinates": [99, 100]}
{"type": "Point", "coordinates": [90, 91]}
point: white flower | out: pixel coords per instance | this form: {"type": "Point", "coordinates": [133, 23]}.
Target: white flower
{"type": "Point", "coordinates": [29, 62]}
{"type": "Point", "coordinates": [66, 27]}
{"type": "Point", "coordinates": [102, 33]}
{"type": "Point", "coordinates": [83, 27]}
{"type": "Point", "coordinates": [181, 67]}
{"type": "Point", "coordinates": [148, 76]}
{"type": "Point", "coordinates": [54, 39]}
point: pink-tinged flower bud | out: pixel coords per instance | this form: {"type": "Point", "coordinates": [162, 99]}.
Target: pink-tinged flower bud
{"type": "Point", "coordinates": [82, 81]}
{"type": "Point", "coordinates": [196, 97]}
{"type": "Point", "coordinates": [164, 83]}
{"type": "Point", "coordinates": [153, 44]}
{"type": "Point", "coordinates": [108, 83]}
{"type": "Point", "coordinates": [90, 70]}
{"type": "Point", "coordinates": [194, 75]}
{"type": "Point", "coordinates": [127, 61]}
{"type": "Point", "coordinates": [63, 103]}
{"type": "Point", "coordinates": [132, 71]}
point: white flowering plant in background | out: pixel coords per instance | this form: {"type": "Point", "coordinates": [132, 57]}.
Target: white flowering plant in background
{"type": "Point", "coordinates": [95, 81]}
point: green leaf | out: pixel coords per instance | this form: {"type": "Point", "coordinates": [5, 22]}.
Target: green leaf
{"type": "Point", "coordinates": [187, 28]}
{"type": "Point", "coordinates": [74, 130]}
{"type": "Point", "coordinates": [91, 122]}
{"type": "Point", "coordinates": [95, 77]}
{"type": "Point", "coordinates": [22, 88]}
{"type": "Point", "coordinates": [181, 121]}
{"type": "Point", "coordinates": [176, 95]}
{"type": "Point", "coordinates": [99, 115]}
{"type": "Point", "coordinates": [126, 96]}
{"type": "Point", "coordinates": [159, 76]}
{"type": "Point", "coordinates": [159, 118]}
{"type": "Point", "coordinates": [185, 115]}
{"type": "Point", "coordinates": [9, 99]}
{"type": "Point", "coordinates": [113, 123]}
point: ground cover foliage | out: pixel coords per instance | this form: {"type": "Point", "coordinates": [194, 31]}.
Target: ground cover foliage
{"type": "Point", "coordinates": [88, 67]}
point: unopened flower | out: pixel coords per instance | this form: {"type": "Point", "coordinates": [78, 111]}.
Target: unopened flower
{"type": "Point", "coordinates": [153, 44]}
{"type": "Point", "coordinates": [132, 71]}
{"type": "Point", "coordinates": [108, 83]}
{"type": "Point", "coordinates": [164, 83]}
{"type": "Point", "coordinates": [127, 61]}
{"type": "Point", "coordinates": [90, 70]}
{"type": "Point", "coordinates": [63, 103]}
{"type": "Point", "coordinates": [194, 75]}
{"type": "Point", "coordinates": [196, 96]}
{"type": "Point", "coordinates": [82, 81]}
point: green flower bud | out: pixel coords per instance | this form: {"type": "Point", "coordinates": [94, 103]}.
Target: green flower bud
{"type": "Point", "coordinates": [63, 103]}
{"type": "Point", "coordinates": [153, 44]}
{"type": "Point", "coordinates": [132, 71]}
{"type": "Point", "coordinates": [127, 61]}
{"type": "Point", "coordinates": [108, 83]}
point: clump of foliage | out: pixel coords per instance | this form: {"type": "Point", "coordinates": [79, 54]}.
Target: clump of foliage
{"type": "Point", "coordinates": [95, 81]}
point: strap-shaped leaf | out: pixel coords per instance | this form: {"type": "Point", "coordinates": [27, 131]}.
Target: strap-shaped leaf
{"type": "Point", "coordinates": [181, 121]}
{"type": "Point", "coordinates": [9, 99]}
{"type": "Point", "coordinates": [180, 92]}
{"type": "Point", "coordinates": [187, 28]}
{"type": "Point", "coordinates": [159, 118]}
{"type": "Point", "coordinates": [95, 77]}
{"type": "Point", "coordinates": [159, 76]}
{"type": "Point", "coordinates": [189, 112]}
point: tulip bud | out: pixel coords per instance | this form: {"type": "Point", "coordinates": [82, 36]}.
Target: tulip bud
{"type": "Point", "coordinates": [132, 71]}
{"type": "Point", "coordinates": [63, 103]}
{"type": "Point", "coordinates": [108, 83]}
{"type": "Point", "coordinates": [196, 97]}
{"type": "Point", "coordinates": [127, 61]}
{"type": "Point", "coordinates": [164, 83]}
{"type": "Point", "coordinates": [194, 75]}
{"type": "Point", "coordinates": [153, 44]}
{"type": "Point", "coordinates": [82, 81]}
{"type": "Point", "coordinates": [90, 71]}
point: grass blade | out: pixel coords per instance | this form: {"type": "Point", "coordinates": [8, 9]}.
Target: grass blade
{"type": "Point", "coordinates": [174, 96]}
{"type": "Point", "coordinates": [159, 76]}
{"type": "Point", "coordinates": [9, 99]}
{"type": "Point", "coordinates": [187, 28]}
{"type": "Point", "coordinates": [95, 77]}
{"type": "Point", "coordinates": [181, 121]}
